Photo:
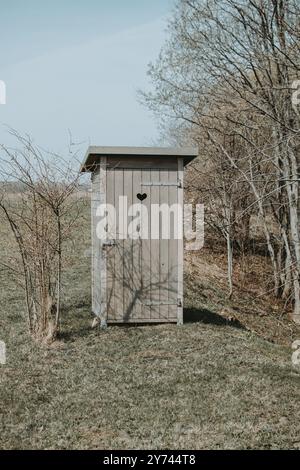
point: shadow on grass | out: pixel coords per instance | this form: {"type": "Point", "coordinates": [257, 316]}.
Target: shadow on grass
{"type": "Point", "coordinates": [78, 325]}
{"type": "Point", "coordinates": [71, 335]}
{"type": "Point", "coordinates": [194, 315]}
{"type": "Point", "coordinates": [76, 321]}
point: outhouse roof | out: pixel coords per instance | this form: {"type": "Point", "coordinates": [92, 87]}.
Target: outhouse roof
{"type": "Point", "coordinates": [94, 154]}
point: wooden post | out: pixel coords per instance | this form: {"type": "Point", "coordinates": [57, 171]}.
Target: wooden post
{"type": "Point", "coordinates": [96, 255]}
{"type": "Point", "coordinates": [103, 300]}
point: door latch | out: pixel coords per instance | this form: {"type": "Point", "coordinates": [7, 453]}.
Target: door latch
{"type": "Point", "coordinates": [108, 243]}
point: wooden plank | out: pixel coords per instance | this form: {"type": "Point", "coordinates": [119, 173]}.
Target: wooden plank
{"type": "Point", "coordinates": [142, 162]}
{"type": "Point", "coordinates": [155, 253]}
{"type": "Point", "coordinates": [102, 254]}
{"type": "Point", "coordinates": [180, 246]}
{"type": "Point", "coordinates": [110, 251]}
{"type": "Point", "coordinates": [164, 252]}
{"type": "Point", "coordinates": [146, 249]}
{"type": "Point", "coordinates": [136, 253]}
{"type": "Point", "coordinates": [127, 247]}
{"type": "Point", "coordinates": [118, 248]}
{"type": "Point", "coordinates": [96, 264]}
{"type": "Point", "coordinates": [96, 245]}
{"type": "Point", "coordinates": [95, 186]}
{"type": "Point", "coordinates": [173, 249]}
{"type": "Point", "coordinates": [133, 320]}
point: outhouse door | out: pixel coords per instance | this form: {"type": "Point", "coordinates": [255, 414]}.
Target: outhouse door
{"type": "Point", "coordinates": [143, 273]}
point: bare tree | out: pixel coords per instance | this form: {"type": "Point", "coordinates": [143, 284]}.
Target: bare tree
{"type": "Point", "coordinates": [227, 71]}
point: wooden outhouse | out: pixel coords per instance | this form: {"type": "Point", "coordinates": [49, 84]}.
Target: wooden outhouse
{"type": "Point", "coordinates": [136, 278]}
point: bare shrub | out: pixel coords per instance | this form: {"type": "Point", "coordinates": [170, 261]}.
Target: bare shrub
{"type": "Point", "coordinates": [41, 215]}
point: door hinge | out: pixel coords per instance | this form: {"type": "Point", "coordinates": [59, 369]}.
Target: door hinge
{"type": "Point", "coordinates": [157, 303]}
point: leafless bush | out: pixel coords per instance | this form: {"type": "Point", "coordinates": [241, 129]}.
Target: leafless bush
{"type": "Point", "coordinates": [41, 216]}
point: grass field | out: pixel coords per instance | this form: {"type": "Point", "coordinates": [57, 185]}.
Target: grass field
{"type": "Point", "coordinates": [211, 384]}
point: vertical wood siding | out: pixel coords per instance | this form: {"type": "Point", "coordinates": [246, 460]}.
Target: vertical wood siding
{"type": "Point", "coordinates": [143, 278]}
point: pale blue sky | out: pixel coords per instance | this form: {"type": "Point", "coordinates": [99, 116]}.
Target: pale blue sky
{"type": "Point", "coordinates": [77, 65]}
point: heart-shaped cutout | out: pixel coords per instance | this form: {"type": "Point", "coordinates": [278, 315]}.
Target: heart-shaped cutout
{"type": "Point", "coordinates": [141, 197]}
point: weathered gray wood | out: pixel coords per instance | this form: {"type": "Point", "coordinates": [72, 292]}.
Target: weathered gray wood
{"type": "Point", "coordinates": [136, 281]}
{"type": "Point", "coordinates": [155, 254]}
{"type": "Point", "coordinates": [94, 154]}
{"type": "Point", "coordinates": [96, 268]}
{"type": "Point", "coordinates": [103, 258]}
{"type": "Point", "coordinates": [173, 249]}
{"type": "Point", "coordinates": [137, 252]}
{"type": "Point", "coordinates": [127, 254]}
{"type": "Point", "coordinates": [110, 251]}
{"type": "Point", "coordinates": [118, 248]}
{"type": "Point", "coordinates": [164, 251]}
{"type": "Point", "coordinates": [146, 251]}
{"type": "Point", "coordinates": [180, 248]}
{"type": "Point", "coordinates": [141, 163]}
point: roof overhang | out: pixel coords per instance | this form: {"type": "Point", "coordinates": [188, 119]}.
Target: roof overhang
{"type": "Point", "coordinates": [94, 154]}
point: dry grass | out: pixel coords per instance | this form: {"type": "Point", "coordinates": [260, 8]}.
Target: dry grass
{"type": "Point", "coordinates": [210, 384]}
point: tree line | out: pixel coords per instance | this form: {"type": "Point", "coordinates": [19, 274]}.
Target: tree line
{"type": "Point", "coordinates": [226, 79]}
